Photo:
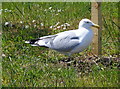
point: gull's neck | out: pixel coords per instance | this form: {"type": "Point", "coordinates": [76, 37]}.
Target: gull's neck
{"type": "Point", "coordinates": [85, 27]}
{"type": "Point", "coordinates": [82, 26]}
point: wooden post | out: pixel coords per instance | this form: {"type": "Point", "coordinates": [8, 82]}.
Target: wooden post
{"type": "Point", "coordinates": [96, 18]}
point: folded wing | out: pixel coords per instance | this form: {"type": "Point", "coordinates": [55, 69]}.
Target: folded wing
{"type": "Point", "coordinates": [65, 41]}
{"type": "Point", "coordinates": [62, 42]}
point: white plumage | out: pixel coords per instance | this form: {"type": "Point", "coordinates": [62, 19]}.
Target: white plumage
{"type": "Point", "coordinates": [68, 42]}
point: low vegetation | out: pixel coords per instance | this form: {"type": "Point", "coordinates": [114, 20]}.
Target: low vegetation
{"type": "Point", "coordinates": [27, 66]}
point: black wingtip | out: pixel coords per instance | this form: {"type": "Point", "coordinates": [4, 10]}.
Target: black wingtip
{"type": "Point", "coordinates": [31, 41]}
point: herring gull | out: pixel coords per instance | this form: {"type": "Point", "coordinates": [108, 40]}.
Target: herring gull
{"type": "Point", "coordinates": [68, 42]}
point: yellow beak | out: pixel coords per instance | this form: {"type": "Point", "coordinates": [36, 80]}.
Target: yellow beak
{"type": "Point", "coordinates": [97, 26]}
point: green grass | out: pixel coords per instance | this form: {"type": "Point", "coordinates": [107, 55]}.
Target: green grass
{"type": "Point", "coordinates": [27, 66]}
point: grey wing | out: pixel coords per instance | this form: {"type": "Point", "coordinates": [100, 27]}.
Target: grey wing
{"type": "Point", "coordinates": [47, 37]}
{"type": "Point", "coordinates": [65, 41]}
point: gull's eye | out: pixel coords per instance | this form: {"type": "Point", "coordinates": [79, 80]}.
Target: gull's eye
{"type": "Point", "coordinates": [87, 22]}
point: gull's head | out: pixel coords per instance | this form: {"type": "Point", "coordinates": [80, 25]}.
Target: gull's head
{"type": "Point", "coordinates": [86, 23]}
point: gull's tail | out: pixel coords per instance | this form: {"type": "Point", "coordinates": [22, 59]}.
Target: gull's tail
{"type": "Point", "coordinates": [36, 42]}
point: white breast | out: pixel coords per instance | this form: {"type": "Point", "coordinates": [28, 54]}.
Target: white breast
{"type": "Point", "coordinates": [85, 40]}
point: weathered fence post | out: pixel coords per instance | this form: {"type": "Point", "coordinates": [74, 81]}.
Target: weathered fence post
{"type": "Point", "coordinates": [96, 18]}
